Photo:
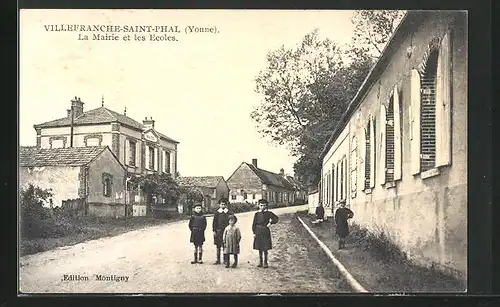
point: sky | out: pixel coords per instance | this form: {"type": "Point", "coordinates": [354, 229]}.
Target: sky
{"type": "Point", "coordinates": [199, 89]}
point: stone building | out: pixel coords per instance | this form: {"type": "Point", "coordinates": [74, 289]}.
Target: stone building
{"type": "Point", "coordinates": [213, 188]}
{"type": "Point", "coordinates": [399, 154]}
{"type": "Point", "coordinates": [90, 176]}
{"type": "Point", "coordinates": [139, 147]}
{"type": "Point", "coordinates": [249, 183]}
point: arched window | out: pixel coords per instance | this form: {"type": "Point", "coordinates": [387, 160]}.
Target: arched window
{"type": "Point", "coordinates": [428, 113]}
{"type": "Point", "coordinates": [107, 183]}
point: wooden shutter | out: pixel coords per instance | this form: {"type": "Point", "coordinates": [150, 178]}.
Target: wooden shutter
{"type": "Point", "coordinates": [127, 152]}
{"type": "Point", "coordinates": [333, 183]}
{"type": "Point", "coordinates": [155, 164]}
{"type": "Point", "coordinates": [443, 104]}
{"type": "Point", "coordinates": [382, 161]}
{"type": "Point", "coordinates": [362, 157]}
{"type": "Point", "coordinates": [415, 122]}
{"type": "Point", "coordinates": [372, 153]}
{"type": "Point", "coordinates": [346, 178]}
{"type": "Point", "coordinates": [397, 136]}
{"type": "Point", "coordinates": [147, 156]}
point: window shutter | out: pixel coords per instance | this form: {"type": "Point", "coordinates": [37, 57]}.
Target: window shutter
{"type": "Point", "coordinates": [443, 104]}
{"type": "Point", "coordinates": [372, 153]}
{"type": "Point", "coordinates": [415, 121]}
{"type": "Point", "coordinates": [333, 183]}
{"type": "Point", "coordinates": [127, 152]}
{"type": "Point", "coordinates": [346, 181]}
{"type": "Point", "coordinates": [147, 157]}
{"type": "Point", "coordinates": [362, 158]}
{"type": "Point", "coordinates": [382, 160]}
{"type": "Point", "coordinates": [156, 159]}
{"type": "Point", "coordinates": [397, 136]}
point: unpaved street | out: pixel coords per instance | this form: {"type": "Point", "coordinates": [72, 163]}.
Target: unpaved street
{"type": "Point", "coordinates": [157, 260]}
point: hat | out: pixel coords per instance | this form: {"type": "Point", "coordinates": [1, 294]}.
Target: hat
{"type": "Point", "coordinates": [233, 218]}
{"type": "Point", "coordinates": [224, 200]}
{"type": "Point", "coordinates": [263, 201]}
{"type": "Point", "coordinates": [197, 205]}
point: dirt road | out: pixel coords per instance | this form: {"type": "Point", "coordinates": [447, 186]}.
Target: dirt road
{"type": "Point", "coordinates": [157, 260]}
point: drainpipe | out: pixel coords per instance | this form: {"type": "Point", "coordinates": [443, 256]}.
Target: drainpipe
{"type": "Point", "coordinates": [71, 129]}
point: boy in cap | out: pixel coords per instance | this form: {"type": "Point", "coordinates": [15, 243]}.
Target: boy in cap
{"type": "Point", "coordinates": [261, 232]}
{"type": "Point", "coordinates": [219, 224]}
{"type": "Point", "coordinates": [197, 225]}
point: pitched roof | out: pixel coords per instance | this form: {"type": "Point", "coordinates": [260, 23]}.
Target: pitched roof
{"type": "Point", "coordinates": [101, 115]}
{"type": "Point", "coordinates": [270, 178]}
{"type": "Point", "coordinates": [295, 182]}
{"type": "Point", "coordinates": [31, 156]}
{"type": "Point", "coordinates": [200, 181]}
{"type": "Point", "coordinates": [407, 24]}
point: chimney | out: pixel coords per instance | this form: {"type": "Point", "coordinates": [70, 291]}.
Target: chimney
{"type": "Point", "coordinates": [77, 106]}
{"type": "Point", "coordinates": [149, 123]}
{"type": "Point", "coordinates": [282, 172]}
{"type": "Point", "coordinates": [254, 162]}
{"type": "Point", "coordinates": [68, 112]}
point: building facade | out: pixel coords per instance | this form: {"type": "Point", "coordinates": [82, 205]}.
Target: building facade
{"type": "Point", "coordinates": [399, 155]}
{"type": "Point", "coordinates": [213, 188]}
{"type": "Point", "coordinates": [139, 147]}
{"type": "Point", "coordinates": [249, 184]}
{"type": "Point", "coordinates": [91, 175]}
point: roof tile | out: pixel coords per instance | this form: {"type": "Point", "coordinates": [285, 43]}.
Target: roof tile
{"type": "Point", "coordinates": [30, 156]}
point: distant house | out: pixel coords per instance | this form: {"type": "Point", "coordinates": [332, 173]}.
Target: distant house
{"type": "Point", "coordinates": [213, 188]}
{"type": "Point", "coordinates": [249, 183]}
{"type": "Point", "coordinates": [90, 176]}
{"type": "Point", "coordinates": [139, 147]}
{"type": "Point", "coordinates": [300, 190]}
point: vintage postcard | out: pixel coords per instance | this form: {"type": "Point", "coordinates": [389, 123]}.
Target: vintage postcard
{"type": "Point", "coordinates": [242, 151]}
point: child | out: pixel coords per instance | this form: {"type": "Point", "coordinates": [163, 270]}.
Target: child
{"type": "Point", "coordinates": [320, 213]}
{"type": "Point", "coordinates": [262, 235]}
{"type": "Point", "coordinates": [342, 227]}
{"type": "Point", "coordinates": [220, 222]}
{"type": "Point", "coordinates": [197, 225]}
{"type": "Point", "coordinates": [231, 242]}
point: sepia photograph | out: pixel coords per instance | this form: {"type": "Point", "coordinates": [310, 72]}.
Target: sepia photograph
{"type": "Point", "coordinates": [173, 151]}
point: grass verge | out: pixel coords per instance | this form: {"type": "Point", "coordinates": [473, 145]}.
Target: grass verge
{"type": "Point", "coordinates": [380, 265]}
{"type": "Point", "coordinates": [79, 230]}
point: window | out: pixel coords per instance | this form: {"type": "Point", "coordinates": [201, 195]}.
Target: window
{"type": "Point", "coordinates": [333, 183]}
{"type": "Point", "coordinates": [233, 197]}
{"type": "Point", "coordinates": [166, 162]}
{"type": "Point", "coordinates": [244, 195]}
{"type": "Point", "coordinates": [107, 182]}
{"type": "Point", "coordinates": [337, 182]}
{"type": "Point", "coordinates": [57, 144]}
{"type": "Point", "coordinates": [390, 130]}
{"type": "Point", "coordinates": [92, 142]}
{"type": "Point", "coordinates": [431, 108]}
{"type": "Point", "coordinates": [342, 179]}
{"type": "Point", "coordinates": [354, 159]}
{"type": "Point", "coordinates": [428, 113]}
{"type": "Point", "coordinates": [151, 153]}
{"type": "Point", "coordinates": [370, 145]}
{"type": "Point", "coordinates": [131, 153]}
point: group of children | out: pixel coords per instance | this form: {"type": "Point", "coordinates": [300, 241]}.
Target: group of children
{"type": "Point", "coordinates": [227, 235]}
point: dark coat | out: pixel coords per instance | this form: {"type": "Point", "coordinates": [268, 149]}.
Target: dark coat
{"type": "Point", "coordinates": [219, 223]}
{"type": "Point", "coordinates": [341, 217]}
{"type": "Point", "coordinates": [197, 225]}
{"type": "Point", "coordinates": [320, 212]}
{"type": "Point", "coordinates": [262, 239]}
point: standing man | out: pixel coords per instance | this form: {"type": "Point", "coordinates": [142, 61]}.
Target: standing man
{"type": "Point", "coordinates": [219, 224]}
{"type": "Point", "coordinates": [341, 216]}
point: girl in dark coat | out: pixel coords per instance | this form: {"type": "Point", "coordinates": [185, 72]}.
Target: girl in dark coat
{"type": "Point", "coordinates": [261, 232]}
{"type": "Point", "coordinates": [342, 227]}
{"type": "Point", "coordinates": [197, 225]}
{"type": "Point", "coordinates": [220, 222]}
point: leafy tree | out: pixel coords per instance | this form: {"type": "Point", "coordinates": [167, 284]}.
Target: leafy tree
{"type": "Point", "coordinates": [33, 214]}
{"type": "Point", "coordinates": [157, 184]}
{"type": "Point", "coordinates": [373, 29]}
{"type": "Point", "coordinates": [287, 86]}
